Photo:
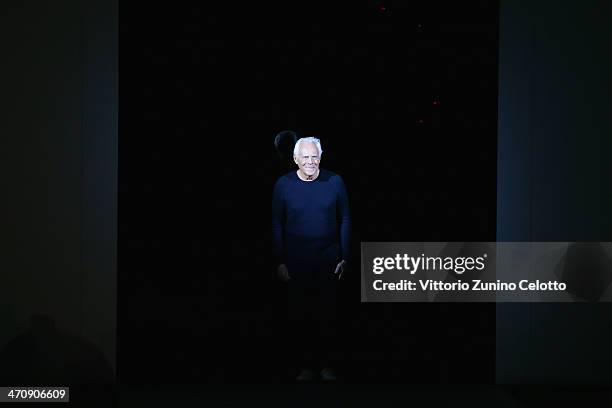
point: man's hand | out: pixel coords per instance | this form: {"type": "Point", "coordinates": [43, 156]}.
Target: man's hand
{"type": "Point", "coordinates": [283, 272]}
{"type": "Point", "coordinates": [340, 268]}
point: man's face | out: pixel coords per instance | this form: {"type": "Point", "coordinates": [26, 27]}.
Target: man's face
{"type": "Point", "coordinates": [308, 158]}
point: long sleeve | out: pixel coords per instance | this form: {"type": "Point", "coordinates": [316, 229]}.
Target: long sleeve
{"type": "Point", "coordinates": [344, 219]}
{"type": "Point", "coordinates": [278, 216]}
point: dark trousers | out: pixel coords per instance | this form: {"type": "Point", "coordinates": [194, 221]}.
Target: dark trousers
{"type": "Point", "coordinates": [312, 308]}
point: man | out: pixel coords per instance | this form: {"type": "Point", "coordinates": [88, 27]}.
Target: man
{"type": "Point", "coordinates": [311, 225]}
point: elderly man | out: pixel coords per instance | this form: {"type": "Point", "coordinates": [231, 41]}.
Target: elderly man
{"type": "Point", "coordinates": [311, 225]}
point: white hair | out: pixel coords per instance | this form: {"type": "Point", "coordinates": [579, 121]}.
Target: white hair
{"type": "Point", "coordinates": [314, 140]}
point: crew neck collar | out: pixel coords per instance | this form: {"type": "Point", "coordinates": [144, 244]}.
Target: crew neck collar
{"type": "Point", "coordinates": [297, 173]}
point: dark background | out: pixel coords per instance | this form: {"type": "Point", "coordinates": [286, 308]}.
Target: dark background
{"type": "Point", "coordinates": [202, 95]}
{"type": "Point", "coordinates": [404, 99]}
{"type": "Point", "coordinates": [58, 172]}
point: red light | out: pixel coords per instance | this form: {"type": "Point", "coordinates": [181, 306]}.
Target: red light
{"type": "Point", "coordinates": [435, 102]}
{"type": "Point", "coordinates": [382, 8]}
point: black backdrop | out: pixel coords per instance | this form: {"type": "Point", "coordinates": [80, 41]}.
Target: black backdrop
{"type": "Point", "coordinates": [404, 99]}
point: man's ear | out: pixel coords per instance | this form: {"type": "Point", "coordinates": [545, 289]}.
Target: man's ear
{"type": "Point", "coordinates": [295, 160]}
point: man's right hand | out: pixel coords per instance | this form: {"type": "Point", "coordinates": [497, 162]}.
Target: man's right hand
{"type": "Point", "coordinates": [283, 272]}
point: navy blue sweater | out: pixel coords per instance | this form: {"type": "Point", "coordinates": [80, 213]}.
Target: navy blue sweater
{"type": "Point", "coordinates": [311, 211]}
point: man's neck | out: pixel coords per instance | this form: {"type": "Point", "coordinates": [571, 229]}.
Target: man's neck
{"type": "Point", "coordinates": [306, 177]}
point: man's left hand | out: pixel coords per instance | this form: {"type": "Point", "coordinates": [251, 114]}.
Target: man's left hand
{"type": "Point", "coordinates": [340, 269]}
